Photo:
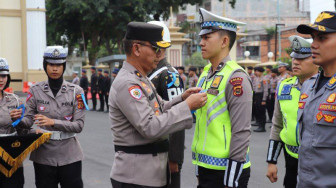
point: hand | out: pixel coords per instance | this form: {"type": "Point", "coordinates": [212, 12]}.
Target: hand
{"type": "Point", "coordinates": [190, 91]}
{"type": "Point", "coordinates": [15, 114]}
{"type": "Point", "coordinates": [263, 103]}
{"type": "Point", "coordinates": [196, 101]}
{"type": "Point", "coordinates": [38, 131]}
{"type": "Point", "coordinates": [42, 120]}
{"type": "Point", "coordinates": [272, 172]}
{"type": "Point", "coordinates": [173, 167]}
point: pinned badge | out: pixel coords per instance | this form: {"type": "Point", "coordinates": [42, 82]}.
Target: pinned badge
{"type": "Point", "coordinates": [68, 117]}
{"type": "Point", "coordinates": [216, 81]}
{"type": "Point", "coordinates": [319, 116]}
{"type": "Point", "coordinates": [29, 96]}
{"type": "Point", "coordinates": [135, 92]}
{"type": "Point", "coordinates": [80, 102]}
{"type": "Point", "coordinates": [213, 91]}
{"type": "Point", "coordinates": [157, 112]}
{"type": "Point", "coordinates": [138, 74]}
{"type": "Point", "coordinates": [301, 105]}
{"type": "Point", "coordinates": [303, 96]}
{"type": "Point", "coordinates": [286, 89]}
{"type": "Point", "coordinates": [156, 104]}
{"type": "Point", "coordinates": [331, 98]}
{"type": "Point", "coordinates": [329, 118]}
{"type": "Point", "coordinates": [331, 83]}
{"type": "Point", "coordinates": [42, 108]}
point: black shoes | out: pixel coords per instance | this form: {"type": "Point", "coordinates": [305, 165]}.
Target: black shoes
{"type": "Point", "coordinates": [260, 129]}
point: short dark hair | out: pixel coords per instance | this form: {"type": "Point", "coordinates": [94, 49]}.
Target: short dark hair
{"type": "Point", "coordinates": [232, 36]}
{"type": "Point", "coordinates": [269, 66]}
{"type": "Point", "coordinates": [250, 68]}
{"type": "Point", "coordinates": [181, 68]}
{"type": "Point", "coordinates": [192, 69]}
{"type": "Point", "coordinates": [128, 44]}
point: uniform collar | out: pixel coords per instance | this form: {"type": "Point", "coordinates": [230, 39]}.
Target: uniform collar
{"type": "Point", "coordinates": [130, 68]}
{"type": "Point", "coordinates": [220, 66]}
{"type": "Point", "coordinates": [64, 87]}
{"type": "Point", "coordinates": [331, 84]}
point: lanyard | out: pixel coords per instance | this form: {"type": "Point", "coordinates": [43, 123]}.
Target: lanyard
{"type": "Point", "coordinates": [16, 122]}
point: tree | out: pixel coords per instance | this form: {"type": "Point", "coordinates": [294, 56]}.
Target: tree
{"type": "Point", "coordinates": [270, 33]}
{"type": "Point", "coordinates": [196, 60]}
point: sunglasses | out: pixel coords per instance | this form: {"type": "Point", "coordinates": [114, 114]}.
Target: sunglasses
{"type": "Point", "coordinates": [156, 49]}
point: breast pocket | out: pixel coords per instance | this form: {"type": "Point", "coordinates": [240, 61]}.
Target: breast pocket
{"type": "Point", "coordinates": [67, 110]}
{"type": "Point", "coordinates": [43, 109]}
{"type": "Point", "coordinates": [324, 130]}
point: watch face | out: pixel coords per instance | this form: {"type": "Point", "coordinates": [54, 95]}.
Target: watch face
{"type": "Point", "coordinates": [296, 46]}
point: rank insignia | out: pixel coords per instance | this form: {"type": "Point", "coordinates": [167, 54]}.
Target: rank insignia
{"type": "Point", "coordinates": [157, 112]}
{"type": "Point", "coordinates": [216, 81]}
{"type": "Point", "coordinates": [135, 92]}
{"type": "Point", "coordinates": [301, 105]}
{"type": "Point", "coordinates": [329, 118]}
{"type": "Point", "coordinates": [332, 82]}
{"type": "Point", "coordinates": [200, 83]}
{"type": "Point", "coordinates": [331, 98]}
{"type": "Point", "coordinates": [29, 96]}
{"type": "Point", "coordinates": [143, 84]}
{"type": "Point", "coordinates": [80, 102]}
{"type": "Point", "coordinates": [138, 74]}
{"type": "Point", "coordinates": [286, 89]}
{"type": "Point", "coordinates": [156, 104]}
{"type": "Point", "coordinates": [319, 116]}
{"type": "Point", "coordinates": [303, 96]}
{"type": "Point", "coordinates": [237, 91]}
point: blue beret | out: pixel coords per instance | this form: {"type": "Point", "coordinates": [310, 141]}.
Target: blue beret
{"type": "Point", "coordinates": [100, 70]}
{"type": "Point", "coordinates": [93, 68]}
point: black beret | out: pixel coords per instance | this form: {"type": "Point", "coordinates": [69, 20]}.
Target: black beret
{"type": "Point", "coordinates": [260, 69]}
{"type": "Point", "coordinates": [100, 70]}
{"type": "Point", "coordinates": [250, 68]}
{"type": "Point", "coordinates": [106, 71]}
{"type": "Point", "coordinates": [144, 32]}
{"type": "Point", "coordinates": [275, 70]}
{"type": "Point", "coordinates": [269, 66]}
{"type": "Point", "coordinates": [93, 68]}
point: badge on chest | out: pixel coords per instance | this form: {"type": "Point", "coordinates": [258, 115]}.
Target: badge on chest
{"type": "Point", "coordinates": [285, 92]}
{"type": "Point", "coordinates": [216, 82]}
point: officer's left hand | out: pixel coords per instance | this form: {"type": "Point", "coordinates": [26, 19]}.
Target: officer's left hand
{"type": "Point", "coordinates": [42, 120]}
{"type": "Point", "coordinates": [263, 103]}
{"type": "Point", "coordinates": [190, 91]}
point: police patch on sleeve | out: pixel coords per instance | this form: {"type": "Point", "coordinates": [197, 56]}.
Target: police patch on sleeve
{"type": "Point", "coordinates": [29, 96]}
{"type": "Point", "coordinates": [80, 104]}
{"type": "Point", "coordinates": [135, 92]}
{"type": "Point", "coordinates": [237, 86]}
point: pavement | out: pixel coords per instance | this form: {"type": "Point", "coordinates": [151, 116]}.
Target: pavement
{"type": "Point", "coordinates": [96, 141]}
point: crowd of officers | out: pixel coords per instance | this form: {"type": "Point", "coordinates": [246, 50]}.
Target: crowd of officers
{"type": "Point", "coordinates": [149, 104]}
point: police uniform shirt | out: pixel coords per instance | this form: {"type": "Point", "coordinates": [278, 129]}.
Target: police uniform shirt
{"type": "Point", "coordinates": [192, 81]}
{"type": "Point", "coordinates": [240, 110]}
{"type": "Point", "coordinates": [273, 84]}
{"type": "Point", "coordinates": [260, 86]}
{"type": "Point", "coordinates": [139, 116]}
{"type": "Point", "coordinates": [8, 103]}
{"type": "Point", "coordinates": [316, 117]}
{"type": "Point", "coordinates": [67, 110]}
{"type": "Point", "coordinates": [169, 85]}
{"type": "Point", "coordinates": [75, 80]}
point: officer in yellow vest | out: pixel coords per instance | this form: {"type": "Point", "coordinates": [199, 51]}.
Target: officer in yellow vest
{"type": "Point", "coordinates": [284, 131]}
{"type": "Point", "coordinates": [222, 132]}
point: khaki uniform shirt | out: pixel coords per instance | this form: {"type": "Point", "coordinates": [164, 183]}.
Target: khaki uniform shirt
{"type": "Point", "coordinates": [139, 116]}
{"type": "Point", "coordinates": [76, 80]}
{"type": "Point", "coordinates": [260, 86]}
{"type": "Point", "coordinates": [192, 81]}
{"type": "Point", "coordinates": [273, 84]}
{"type": "Point", "coordinates": [67, 109]}
{"type": "Point", "coordinates": [8, 103]}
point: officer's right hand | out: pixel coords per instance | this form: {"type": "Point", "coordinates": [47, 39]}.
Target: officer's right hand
{"type": "Point", "coordinates": [272, 172]}
{"type": "Point", "coordinates": [15, 114]}
{"type": "Point", "coordinates": [196, 101]}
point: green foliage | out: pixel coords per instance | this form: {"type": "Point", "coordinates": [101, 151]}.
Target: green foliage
{"type": "Point", "coordinates": [285, 60]}
{"type": "Point", "coordinates": [288, 50]}
{"type": "Point", "coordinates": [270, 31]}
{"type": "Point", "coordinates": [196, 60]}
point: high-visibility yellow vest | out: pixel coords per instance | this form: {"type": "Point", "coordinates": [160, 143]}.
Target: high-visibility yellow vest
{"type": "Point", "coordinates": [212, 138]}
{"type": "Point", "coordinates": [288, 97]}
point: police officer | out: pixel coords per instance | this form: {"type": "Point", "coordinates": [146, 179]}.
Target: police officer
{"type": "Point", "coordinates": [182, 75]}
{"type": "Point", "coordinates": [169, 85]}
{"type": "Point", "coordinates": [269, 105]}
{"type": "Point", "coordinates": [317, 114]}
{"type": "Point", "coordinates": [260, 88]}
{"type": "Point", "coordinates": [101, 89]}
{"type": "Point", "coordinates": [94, 88]}
{"type": "Point", "coordinates": [84, 83]}
{"type": "Point", "coordinates": [222, 132]}
{"type": "Point", "coordinates": [8, 102]}
{"type": "Point", "coordinates": [192, 78]}
{"type": "Point", "coordinates": [272, 86]}
{"type": "Point", "coordinates": [282, 69]}
{"type": "Point", "coordinates": [106, 88]}
{"type": "Point", "coordinates": [284, 130]}
{"type": "Point", "coordinates": [75, 79]}
{"type": "Point", "coordinates": [114, 75]}
{"type": "Point", "coordinates": [56, 106]}
{"type": "Point", "coordinates": [140, 119]}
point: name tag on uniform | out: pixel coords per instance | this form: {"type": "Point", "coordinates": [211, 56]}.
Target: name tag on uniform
{"type": "Point", "coordinates": [213, 91]}
{"type": "Point", "coordinates": [216, 81]}
{"type": "Point", "coordinates": [286, 89]}
{"type": "Point", "coordinates": [285, 97]}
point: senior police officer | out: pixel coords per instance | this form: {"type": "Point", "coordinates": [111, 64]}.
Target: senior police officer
{"type": "Point", "coordinates": [222, 132]}
{"type": "Point", "coordinates": [317, 112]}
{"type": "Point", "coordinates": [140, 119]}
{"type": "Point", "coordinates": [284, 130]}
{"type": "Point", "coordinates": [169, 85]}
{"type": "Point", "coordinates": [8, 102]}
{"type": "Point", "coordinates": [260, 88]}
{"type": "Point", "coordinates": [56, 106]}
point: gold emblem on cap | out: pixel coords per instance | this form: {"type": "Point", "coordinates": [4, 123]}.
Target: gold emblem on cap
{"type": "Point", "coordinates": [323, 16]}
{"type": "Point", "coordinates": [296, 44]}
{"type": "Point", "coordinates": [16, 144]}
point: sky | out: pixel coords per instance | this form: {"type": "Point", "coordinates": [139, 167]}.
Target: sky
{"type": "Point", "coordinates": [317, 6]}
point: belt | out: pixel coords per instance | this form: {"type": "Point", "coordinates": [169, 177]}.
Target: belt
{"type": "Point", "coordinates": [214, 160]}
{"type": "Point", "coordinates": [293, 149]}
{"type": "Point", "coordinates": [60, 135]}
{"type": "Point", "coordinates": [152, 148]}
{"type": "Point", "coordinates": [11, 134]}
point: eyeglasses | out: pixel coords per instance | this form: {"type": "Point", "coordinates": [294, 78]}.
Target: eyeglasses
{"type": "Point", "coordinates": [156, 49]}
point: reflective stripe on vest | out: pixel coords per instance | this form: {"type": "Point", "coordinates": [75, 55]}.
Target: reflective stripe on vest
{"type": "Point", "coordinates": [289, 108]}
{"type": "Point", "coordinates": [212, 138]}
